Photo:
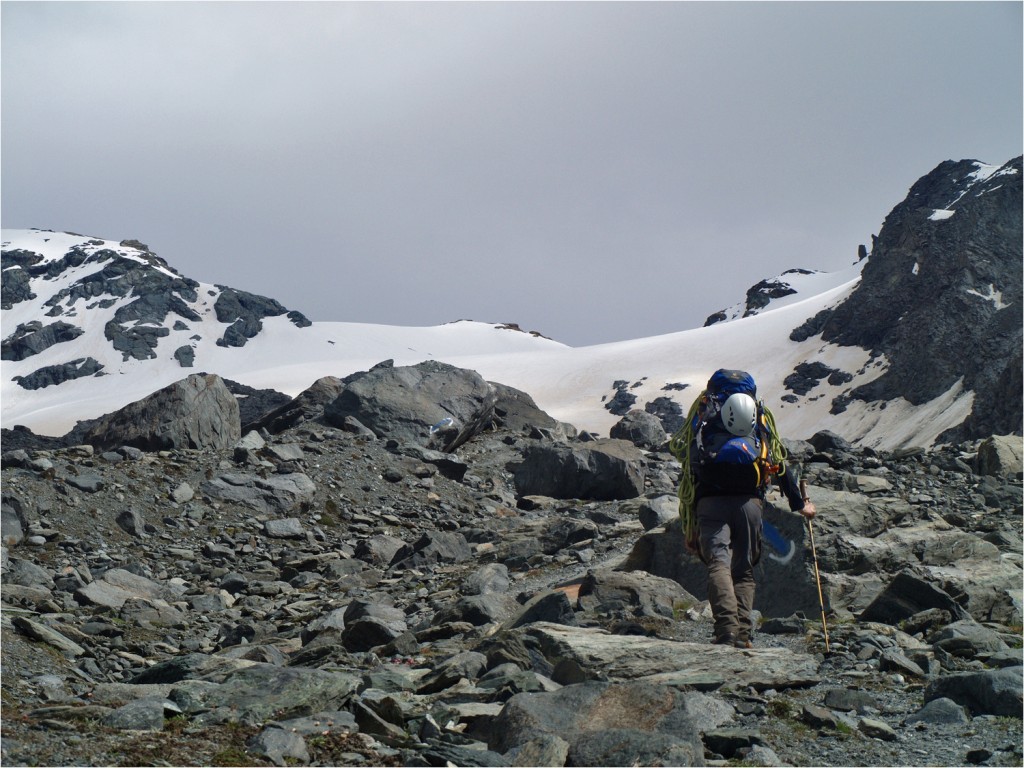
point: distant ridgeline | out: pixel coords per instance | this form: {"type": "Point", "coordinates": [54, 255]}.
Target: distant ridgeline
{"type": "Point", "coordinates": [938, 306]}
{"type": "Point", "coordinates": [152, 300]}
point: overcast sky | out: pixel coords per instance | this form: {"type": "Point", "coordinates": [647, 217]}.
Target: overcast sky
{"type": "Point", "coordinates": [593, 171]}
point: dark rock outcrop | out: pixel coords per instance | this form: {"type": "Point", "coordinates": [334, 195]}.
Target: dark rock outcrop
{"type": "Point", "coordinates": [603, 469]}
{"type": "Point", "coordinates": [32, 338]}
{"type": "Point", "coordinates": [49, 375]}
{"type": "Point", "coordinates": [940, 297]}
{"type": "Point", "coordinates": [197, 412]}
{"type": "Point", "coordinates": [641, 428]}
{"type": "Point", "coordinates": [430, 403]}
{"type": "Point", "coordinates": [245, 312]}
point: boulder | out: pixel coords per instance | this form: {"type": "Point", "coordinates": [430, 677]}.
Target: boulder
{"type": "Point", "coordinates": [985, 692]}
{"type": "Point", "coordinates": [658, 511]}
{"type": "Point", "coordinates": [1000, 456]}
{"type": "Point", "coordinates": [597, 654]}
{"type": "Point", "coordinates": [600, 470]}
{"type": "Point", "coordinates": [648, 595]}
{"type": "Point", "coordinates": [612, 724]}
{"type": "Point", "coordinates": [641, 428]}
{"type": "Point", "coordinates": [274, 494]}
{"type": "Point", "coordinates": [907, 595]}
{"type": "Point", "coordinates": [198, 413]}
{"type": "Point", "coordinates": [307, 405]}
{"type": "Point", "coordinates": [517, 412]}
{"type": "Point", "coordinates": [430, 403]}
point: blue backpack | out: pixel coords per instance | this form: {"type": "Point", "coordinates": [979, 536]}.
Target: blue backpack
{"type": "Point", "coordinates": [727, 463]}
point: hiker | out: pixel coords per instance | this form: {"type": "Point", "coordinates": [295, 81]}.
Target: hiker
{"type": "Point", "coordinates": [730, 450]}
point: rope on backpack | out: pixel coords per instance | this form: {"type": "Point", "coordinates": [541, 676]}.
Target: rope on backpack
{"type": "Point", "coordinates": [680, 446]}
{"type": "Point", "coordinates": [776, 448]}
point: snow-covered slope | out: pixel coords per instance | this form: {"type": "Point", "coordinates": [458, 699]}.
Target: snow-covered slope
{"type": "Point", "coordinates": [188, 332]}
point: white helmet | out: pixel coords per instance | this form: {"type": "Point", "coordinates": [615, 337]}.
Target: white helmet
{"type": "Point", "coordinates": [739, 414]}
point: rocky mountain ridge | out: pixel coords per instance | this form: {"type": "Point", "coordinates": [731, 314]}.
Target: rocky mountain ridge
{"type": "Point", "coordinates": [356, 581]}
{"type": "Point", "coordinates": [941, 296]}
{"type": "Point", "coordinates": [935, 312]}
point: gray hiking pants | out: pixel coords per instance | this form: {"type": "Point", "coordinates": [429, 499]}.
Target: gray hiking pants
{"type": "Point", "coordinates": [730, 541]}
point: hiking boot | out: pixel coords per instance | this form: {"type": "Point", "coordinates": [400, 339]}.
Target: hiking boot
{"type": "Point", "coordinates": [727, 639]}
{"type": "Point", "coordinates": [742, 644]}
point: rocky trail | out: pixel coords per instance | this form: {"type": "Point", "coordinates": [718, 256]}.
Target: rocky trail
{"type": "Point", "coordinates": [350, 582]}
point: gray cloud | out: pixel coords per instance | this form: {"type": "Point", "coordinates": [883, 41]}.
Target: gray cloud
{"type": "Point", "coordinates": [595, 171]}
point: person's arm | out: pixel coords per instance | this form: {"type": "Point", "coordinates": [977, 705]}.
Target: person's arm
{"type": "Point", "coordinates": [790, 486]}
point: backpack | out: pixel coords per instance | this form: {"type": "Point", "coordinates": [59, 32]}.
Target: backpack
{"type": "Point", "coordinates": [714, 457]}
{"type": "Point", "coordinates": [728, 464]}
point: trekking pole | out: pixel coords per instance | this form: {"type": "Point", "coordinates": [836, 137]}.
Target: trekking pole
{"type": "Point", "coordinates": [817, 575]}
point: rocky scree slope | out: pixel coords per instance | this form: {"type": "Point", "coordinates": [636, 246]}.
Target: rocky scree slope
{"type": "Point", "coordinates": [327, 592]}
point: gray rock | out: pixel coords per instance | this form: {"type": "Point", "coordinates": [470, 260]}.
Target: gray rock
{"type": "Point", "coordinates": [368, 625]}
{"type": "Point", "coordinates": [90, 482]}
{"type": "Point", "coordinates": [907, 595]}
{"type": "Point", "coordinates": [52, 375]}
{"type": "Point", "coordinates": [848, 700]}
{"type": "Point", "coordinates": [546, 749]}
{"type": "Point", "coordinates": [183, 492]}
{"type": "Point", "coordinates": [894, 661]}
{"type": "Point", "coordinates": [12, 524]}
{"type": "Point", "coordinates": [986, 692]}
{"type": "Point", "coordinates": [277, 494]}
{"type": "Point", "coordinates": [407, 403]}
{"type": "Point", "coordinates": [131, 521]}
{"type": "Point", "coordinates": [118, 585]}
{"type": "Point", "coordinates": [197, 412]}
{"type": "Point", "coordinates": [625, 746]}
{"type": "Point", "coordinates": [877, 729]}
{"type": "Point", "coordinates": [642, 429]}
{"type": "Point", "coordinates": [600, 470]}
{"type": "Point", "coordinates": [27, 574]}
{"type": "Point", "coordinates": [819, 717]}
{"type": "Point", "coordinates": [285, 451]}
{"type": "Point", "coordinates": [467, 664]}
{"type": "Point", "coordinates": [139, 715]}
{"type": "Point", "coordinates": [45, 634]}
{"type": "Point", "coordinates": [516, 411]}
{"type": "Point", "coordinates": [920, 320]}
{"type": "Point", "coordinates": [479, 610]}
{"type": "Point", "coordinates": [437, 547]}
{"type": "Point", "coordinates": [306, 406]}
{"type": "Point", "coordinates": [582, 714]}
{"type": "Point", "coordinates": [33, 337]}
{"type": "Point", "coordinates": [967, 638]}
{"type": "Point", "coordinates": [548, 606]}
{"type": "Point", "coordinates": [659, 511]}
{"type": "Point", "coordinates": [259, 692]}
{"type": "Point", "coordinates": [728, 741]}
{"type": "Point", "coordinates": [649, 595]}
{"type": "Point", "coordinates": [380, 550]}
{"type": "Point", "coordinates": [287, 528]}
{"type": "Point", "coordinates": [248, 445]}
{"type": "Point", "coordinates": [601, 655]}
{"type": "Point", "coordinates": [1000, 456]}
{"type": "Point", "coordinates": [279, 745]}
{"type": "Point", "coordinates": [941, 711]}
{"type": "Point", "coordinates": [491, 578]}
{"type": "Point", "coordinates": [760, 755]}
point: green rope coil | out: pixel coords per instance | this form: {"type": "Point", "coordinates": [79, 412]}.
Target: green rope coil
{"type": "Point", "coordinates": [680, 446]}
